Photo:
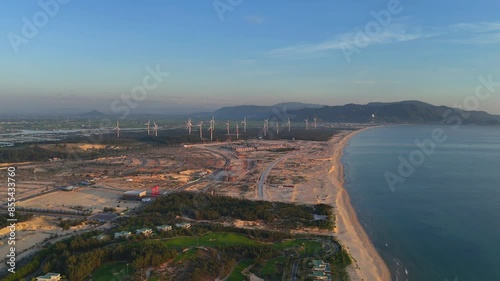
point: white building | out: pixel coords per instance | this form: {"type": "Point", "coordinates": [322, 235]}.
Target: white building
{"type": "Point", "coordinates": [164, 227]}
{"type": "Point", "coordinates": [122, 234]}
{"type": "Point", "coordinates": [185, 225]}
{"type": "Point", "coordinates": [49, 277]}
{"type": "Point", "coordinates": [144, 231]}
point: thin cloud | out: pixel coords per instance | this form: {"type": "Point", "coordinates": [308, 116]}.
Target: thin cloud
{"type": "Point", "coordinates": [476, 27]}
{"type": "Point", "coordinates": [463, 33]}
{"type": "Point", "coordinates": [254, 19]}
{"type": "Point", "coordinates": [397, 33]}
{"type": "Point", "coordinates": [480, 33]}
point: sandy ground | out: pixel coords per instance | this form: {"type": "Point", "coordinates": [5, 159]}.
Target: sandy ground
{"type": "Point", "coordinates": [31, 234]}
{"type": "Point", "coordinates": [88, 197]}
{"type": "Point", "coordinates": [349, 231]}
{"type": "Point", "coordinates": [319, 165]}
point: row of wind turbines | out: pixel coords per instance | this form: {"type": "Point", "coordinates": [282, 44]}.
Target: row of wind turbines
{"type": "Point", "coordinates": [155, 128]}
{"type": "Point", "coordinates": [189, 126]}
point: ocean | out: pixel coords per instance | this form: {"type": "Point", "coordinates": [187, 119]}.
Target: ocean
{"type": "Point", "coordinates": [438, 218]}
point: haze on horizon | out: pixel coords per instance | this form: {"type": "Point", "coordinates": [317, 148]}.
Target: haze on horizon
{"type": "Point", "coordinates": [90, 53]}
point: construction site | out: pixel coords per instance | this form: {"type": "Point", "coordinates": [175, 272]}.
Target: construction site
{"type": "Point", "coordinates": [101, 189]}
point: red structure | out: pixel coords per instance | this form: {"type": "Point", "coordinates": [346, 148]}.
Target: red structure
{"type": "Point", "coordinates": [155, 191]}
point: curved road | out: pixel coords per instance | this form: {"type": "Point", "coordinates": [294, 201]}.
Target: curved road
{"type": "Point", "coordinates": [265, 174]}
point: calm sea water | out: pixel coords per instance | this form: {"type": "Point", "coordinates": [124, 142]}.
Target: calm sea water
{"type": "Point", "coordinates": [443, 221]}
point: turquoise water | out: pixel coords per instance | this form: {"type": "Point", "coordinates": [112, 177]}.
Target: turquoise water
{"type": "Point", "coordinates": [443, 221]}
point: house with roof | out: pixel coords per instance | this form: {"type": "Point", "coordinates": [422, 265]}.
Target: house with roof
{"type": "Point", "coordinates": [164, 227]}
{"type": "Point", "coordinates": [101, 237]}
{"type": "Point", "coordinates": [122, 234]}
{"type": "Point", "coordinates": [49, 277]}
{"type": "Point", "coordinates": [144, 231]}
{"type": "Point", "coordinates": [320, 270]}
{"type": "Point", "coordinates": [184, 225]}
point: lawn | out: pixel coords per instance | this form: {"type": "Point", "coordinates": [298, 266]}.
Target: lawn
{"type": "Point", "coordinates": [236, 274]}
{"type": "Point", "coordinates": [221, 239]}
{"type": "Point", "coordinates": [187, 255]}
{"type": "Point", "coordinates": [306, 247]}
{"type": "Point", "coordinates": [270, 269]}
{"type": "Point", "coordinates": [111, 272]}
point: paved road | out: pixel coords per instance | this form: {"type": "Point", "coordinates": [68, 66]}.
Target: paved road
{"type": "Point", "coordinates": [265, 174]}
{"type": "Point", "coordinates": [295, 266]}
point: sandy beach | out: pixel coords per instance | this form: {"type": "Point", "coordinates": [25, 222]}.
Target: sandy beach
{"type": "Point", "coordinates": [368, 266]}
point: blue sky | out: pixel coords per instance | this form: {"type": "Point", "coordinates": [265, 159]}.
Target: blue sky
{"type": "Point", "coordinates": [253, 52]}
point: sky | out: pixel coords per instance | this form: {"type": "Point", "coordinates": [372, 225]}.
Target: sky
{"type": "Point", "coordinates": [180, 56]}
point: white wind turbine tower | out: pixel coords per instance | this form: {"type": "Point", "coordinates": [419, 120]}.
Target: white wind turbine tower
{"type": "Point", "coordinates": [189, 126]}
{"type": "Point", "coordinates": [211, 129]}
{"type": "Point", "coordinates": [227, 127]}
{"type": "Point", "coordinates": [265, 126]}
{"type": "Point", "coordinates": [237, 131]}
{"type": "Point", "coordinates": [117, 128]}
{"type": "Point", "coordinates": [201, 129]}
{"type": "Point", "coordinates": [244, 123]}
{"type": "Point", "coordinates": [147, 124]}
{"type": "Point", "coordinates": [156, 129]}
{"type": "Point", "coordinates": [288, 124]}
{"type": "Point", "coordinates": [307, 123]}
{"type": "Point", "coordinates": [373, 118]}
{"type": "Point", "coordinates": [212, 123]}
{"type": "Point", "coordinates": [315, 125]}
{"type": "Point", "coordinates": [277, 127]}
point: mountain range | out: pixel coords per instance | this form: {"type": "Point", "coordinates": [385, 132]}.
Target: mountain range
{"type": "Point", "coordinates": [415, 112]}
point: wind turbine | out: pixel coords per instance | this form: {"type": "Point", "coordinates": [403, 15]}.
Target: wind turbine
{"type": "Point", "coordinates": [237, 131]}
{"type": "Point", "coordinates": [314, 122]}
{"type": "Point", "coordinates": [201, 129]}
{"type": "Point", "coordinates": [277, 127]}
{"type": "Point", "coordinates": [189, 126]}
{"type": "Point", "coordinates": [147, 124]}
{"type": "Point", "coordinates": [266, 123]}
{"type": "Point", "coordinates": [227, 127]}
{"type": "Point", "coordinates": [117, 129]}
{"type": "Point", "coordinates": [244, 123]}
{"type": "Point", "coordinates": [307, 123]}
{"type": "Point", "coordinates": [156, 129]}
{"type": "Point", "coordinates": [211, 129]}
{"type": "Point", "coordinates": [288, 124]}
{"type": "Point", "coordinates": [373, 118]}
{"type": "Point", "coordinates": [212, 123]}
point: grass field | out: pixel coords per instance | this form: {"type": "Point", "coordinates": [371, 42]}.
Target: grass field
{"type": "Point", "coordinates": [270, 269]}
{"type": "Point", "coordinates": [111, 272]}
{"type": "Point", "coordinates": [187, 255]}
{"type": "Point", "coordinates": [222, 239]}
{"type": "Point", "coordinates": [306, 247]}
{"type": "Point", "coordinates": [236, 274]}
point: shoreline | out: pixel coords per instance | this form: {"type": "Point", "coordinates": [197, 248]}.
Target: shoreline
{"type": "Point", "coordinates": [367, 263]}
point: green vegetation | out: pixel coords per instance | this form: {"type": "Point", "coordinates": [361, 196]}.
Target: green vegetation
{"type": "Point", "coordinates": [19, 217]}
{"type": "Point", "coordinates": [236, 274]}
{"type": "Point", "coordinates": [212, 240]}
{"type": "Point", "coordinates": [67, 224]}
{"type": "Point", "coordinates": [201, 206]}
{"type": "Point", "coordinates": [111, 271]}
{"type": "Point", "coordinates": [271, 268]}
{"type": "Point", "coordinates": [307, 247]}
{"type": "Point", "coordinates": [206, 251]}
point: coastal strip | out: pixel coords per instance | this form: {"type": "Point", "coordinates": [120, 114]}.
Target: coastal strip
{"type": "Point", "coordinates": [368, 264]}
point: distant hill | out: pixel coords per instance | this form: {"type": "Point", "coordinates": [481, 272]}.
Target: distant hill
{"type": "Point", "coordinates": [396, 112]}
{"type": "Point", "coordinates": [260, 112]}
